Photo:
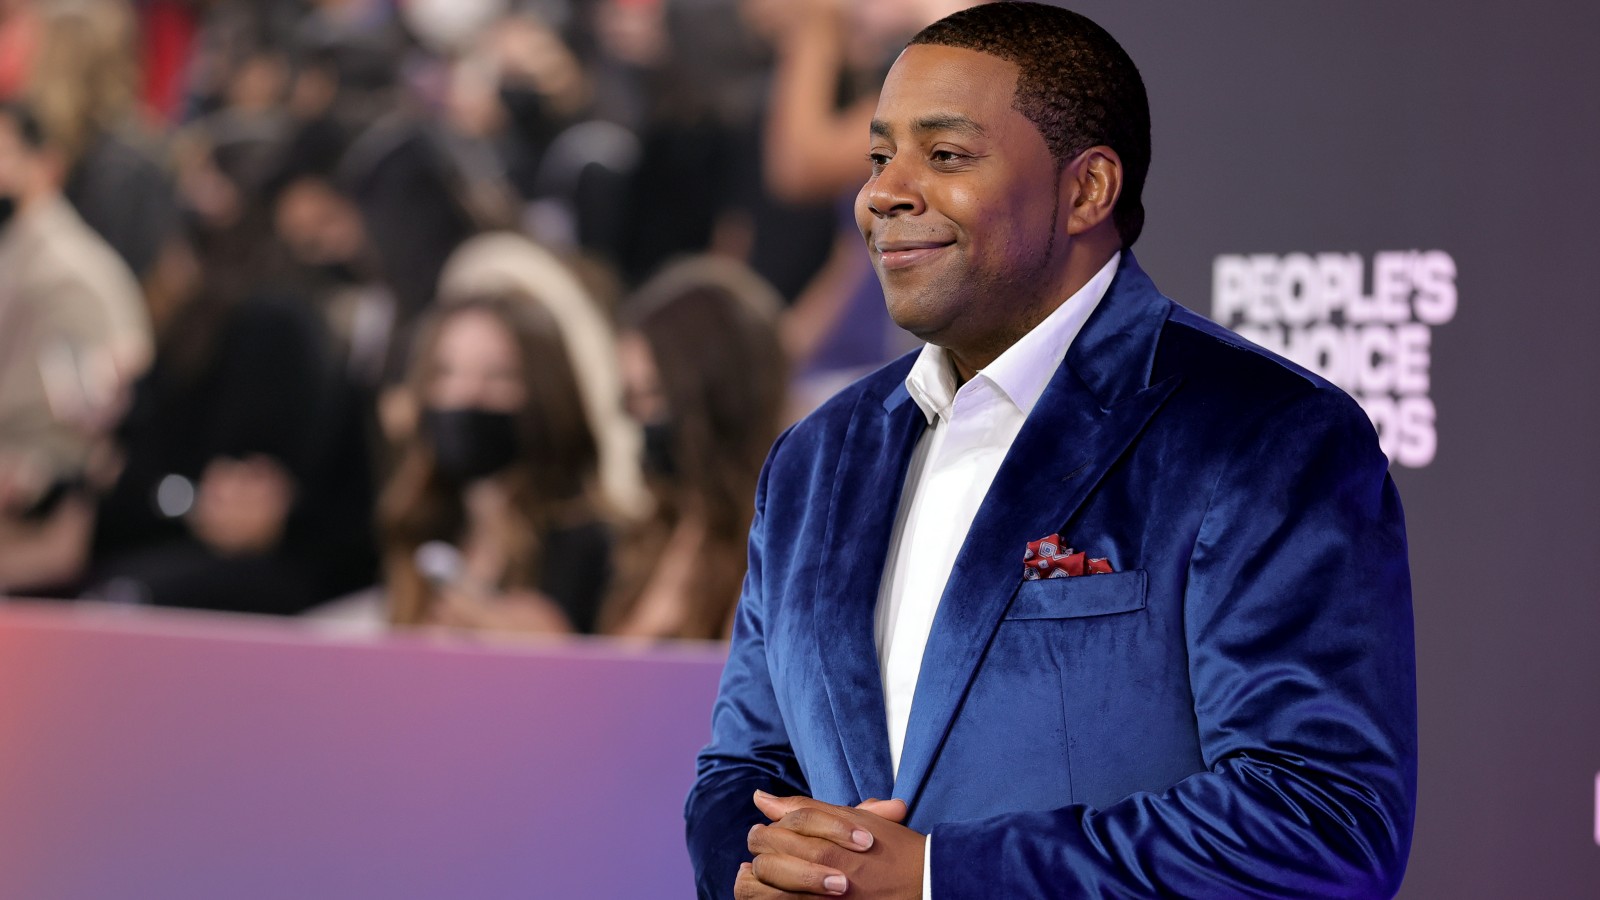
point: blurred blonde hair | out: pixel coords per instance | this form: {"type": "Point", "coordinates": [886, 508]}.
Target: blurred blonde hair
{"type": "Point", "coordinates": [85, 72]}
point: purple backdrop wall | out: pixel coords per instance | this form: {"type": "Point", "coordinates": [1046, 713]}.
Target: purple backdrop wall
{"type": "Point", "coordinates": [193, 756]}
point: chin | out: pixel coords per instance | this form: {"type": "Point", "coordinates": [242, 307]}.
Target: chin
{"type": "Point", "coordinates": [925, 312]}
{"type": "Point", "coordinates": [905, 312]}
{"type": "Point", "coordinates": [921, 324]}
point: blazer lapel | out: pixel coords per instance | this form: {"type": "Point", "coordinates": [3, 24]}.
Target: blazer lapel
{"type": "Point", "coordinates": [1092, 410]}
{"type": "Point", "coordinates": [872, 467]}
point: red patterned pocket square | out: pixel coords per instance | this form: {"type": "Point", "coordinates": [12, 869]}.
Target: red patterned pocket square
{"type": "Point", "coordinates": [1049, 557]}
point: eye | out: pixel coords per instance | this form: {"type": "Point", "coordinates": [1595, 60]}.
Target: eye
{"type": "Point", "coordinates": [878, 160]}
{"type": "Point", "coordinates": [946, 156]}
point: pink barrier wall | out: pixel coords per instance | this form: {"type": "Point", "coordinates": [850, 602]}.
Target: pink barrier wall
{"type": "Point", "coordinates": [170, 755]}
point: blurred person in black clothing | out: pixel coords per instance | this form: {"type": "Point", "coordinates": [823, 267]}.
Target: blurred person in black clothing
{"type": "Point", "coordinates": [330, 258]}
{"type": "Point", "coordinates": [232, 149]}
{"type": "Point", "coordinates": [413, 208]}
{"type": "Point", "coordinates": [239, 484]}
{"type": "Point", "coordinates": [704, 374]}
{"type": "Point", "coordinates": [338, 112]}
{"type": "Point", "coordinates": [570, 166]}
{"type": "Point", "coordinates": [246, 484]}
{"type": "Point", "coordinates": [499, 476]}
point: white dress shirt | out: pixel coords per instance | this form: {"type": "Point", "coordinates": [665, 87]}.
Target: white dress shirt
{"type": "Point", "coordinates": [970, 430]}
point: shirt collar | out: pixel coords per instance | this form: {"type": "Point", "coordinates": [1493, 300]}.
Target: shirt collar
{"type": "Point", "coordinates": [1023, 370]}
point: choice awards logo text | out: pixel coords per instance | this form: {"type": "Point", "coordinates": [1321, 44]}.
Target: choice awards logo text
{"type": "Point", "coordinates": [1374, 339]}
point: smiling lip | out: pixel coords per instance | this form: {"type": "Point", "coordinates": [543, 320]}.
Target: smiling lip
{"type": "Point", "coordinates": [900, 254]}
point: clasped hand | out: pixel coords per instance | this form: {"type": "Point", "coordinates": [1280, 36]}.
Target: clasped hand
{"type": "Point", "coordinates": [815, 848]}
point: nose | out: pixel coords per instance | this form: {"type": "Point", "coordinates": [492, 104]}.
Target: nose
{"type": "Point", "coordinates": [891, 192]}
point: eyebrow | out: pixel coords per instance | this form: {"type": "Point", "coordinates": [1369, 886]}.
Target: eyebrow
{"type": "Point", "coordinates": [936, 123]}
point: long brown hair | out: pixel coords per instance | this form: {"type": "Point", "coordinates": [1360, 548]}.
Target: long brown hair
{"type": "Point", "coordinates": [711, 326]}
{"type": "Point", "coordinates": [551, 482]}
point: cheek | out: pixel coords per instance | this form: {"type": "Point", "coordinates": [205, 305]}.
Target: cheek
{"type": "Point", "coordinates": [991, 227]}
{"type": "Point", "coordinates": [449, 390]}
{"type": "Point", "coordinates": [505, 395]}
{"type": "Point", "coordinates": [964, 203]}
{"type": "Point", "coordinates": [1019, 231]}
{"type": "Point", "coordinates": [984, 209]}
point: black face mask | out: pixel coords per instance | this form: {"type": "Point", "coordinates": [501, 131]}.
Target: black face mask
{"type": "Point", "coordinates": [469, 444]}
{"type": "Point", "coordinates": [660, 457]}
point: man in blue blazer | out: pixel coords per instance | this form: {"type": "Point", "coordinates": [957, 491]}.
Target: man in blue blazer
{"type": "Point", "coordinates": [1212, 696]}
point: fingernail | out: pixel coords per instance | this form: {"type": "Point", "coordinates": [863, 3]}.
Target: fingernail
{"type": "Point", "coordinates": [835, 883]}
{"type": "Point", "coordinates": [765, 794]}
{"type": "Point", "coordinates": [862, 837]}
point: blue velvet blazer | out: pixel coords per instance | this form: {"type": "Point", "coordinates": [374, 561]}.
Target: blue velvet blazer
{"type": "Point", "coordinates": [1231, 713]}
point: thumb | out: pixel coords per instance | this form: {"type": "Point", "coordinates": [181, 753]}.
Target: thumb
{"type": "Point", "coordinates": [893, 810]}
{"type": "Point", "coordinates": [776, 808]}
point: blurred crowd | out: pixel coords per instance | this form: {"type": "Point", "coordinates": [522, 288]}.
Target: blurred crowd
{"type": "Point", "coordinates": [471, 314]}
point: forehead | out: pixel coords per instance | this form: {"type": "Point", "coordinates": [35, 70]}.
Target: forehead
{"type": "Point", "coordinates": [929, 82]}
{"type": "Point", "coordinates": [475, 335]}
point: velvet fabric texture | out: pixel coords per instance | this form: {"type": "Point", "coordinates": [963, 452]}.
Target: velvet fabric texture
{"type": "Point", "coordinates": [1230, 713]}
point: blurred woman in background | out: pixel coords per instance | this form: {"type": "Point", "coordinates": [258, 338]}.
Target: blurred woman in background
{"type": "Point", "coordinates": [491, 519]}
{"type": "Point", "coordinates": [704, 373]}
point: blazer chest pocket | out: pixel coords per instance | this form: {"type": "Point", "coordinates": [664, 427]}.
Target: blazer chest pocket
{"type": "Point", "coordinates": [1079, 596]}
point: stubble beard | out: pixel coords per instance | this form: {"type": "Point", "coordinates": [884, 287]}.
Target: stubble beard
{"type": "Point", "coordinates": [1029, 288]}
{"type": "Point", "coordinates": [990, 295]}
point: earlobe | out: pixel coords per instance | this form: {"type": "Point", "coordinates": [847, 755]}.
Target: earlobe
{"type": "Point", "coordinates": [1090, 186]}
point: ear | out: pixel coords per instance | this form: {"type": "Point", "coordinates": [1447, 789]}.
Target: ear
{"type": "Point", "coordinates": [1090, 186]}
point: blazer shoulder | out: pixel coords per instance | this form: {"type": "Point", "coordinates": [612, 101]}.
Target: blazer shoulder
{"type": "Point", "coordinates": [1235, 392]}
{"type": "Point", "coordinates": [1209, 356]}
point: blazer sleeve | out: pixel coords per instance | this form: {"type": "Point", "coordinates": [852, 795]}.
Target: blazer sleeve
{"type": "Point", "coordinates": [1297, 614]}
{"type": "Point", "coordinates": [750, 748]}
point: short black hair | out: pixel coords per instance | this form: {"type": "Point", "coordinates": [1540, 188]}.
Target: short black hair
{"type": "Point", "coordinates": [26, 121]}
{"type": "Point", "coordinates": [1075, 83]}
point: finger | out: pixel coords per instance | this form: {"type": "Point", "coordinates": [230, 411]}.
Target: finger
{"type": "Point", "coordinates": [776, 808]}
{"type": "Point", "coordinates": [893, 810]}
{"type": "Point", "coordinates": [828, 825]}
{"type": "Point", "coordinates": [748, 887]}
{"type": "Point", "coordinates": [820, 851]}
{"type": "Point", "coordinates": [787, 873]}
